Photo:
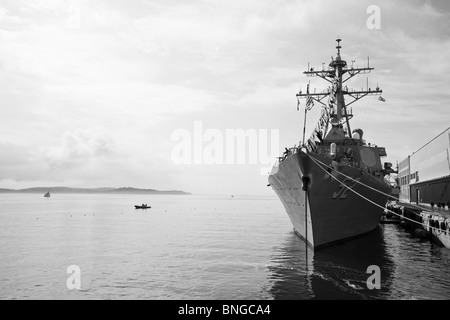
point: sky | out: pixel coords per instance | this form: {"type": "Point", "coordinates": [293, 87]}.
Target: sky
{"type": "Point", "coordinates": [93, 93]}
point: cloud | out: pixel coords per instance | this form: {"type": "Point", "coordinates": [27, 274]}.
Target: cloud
{"type": "Point", "coordinates": [17, 163]}
{"type": "Point", "coordinates": [12, 155]}
{"type": "Point", "coordinates": [78, 148]}
{"type": "Point", "coordinates": [2, 13]}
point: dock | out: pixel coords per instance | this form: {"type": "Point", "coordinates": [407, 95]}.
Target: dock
{"type": "Point", "coordinates": [426, 220]}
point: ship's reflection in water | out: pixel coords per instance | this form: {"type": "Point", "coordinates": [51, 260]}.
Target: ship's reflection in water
{"type": "Point", "coordinates": [336, 272]}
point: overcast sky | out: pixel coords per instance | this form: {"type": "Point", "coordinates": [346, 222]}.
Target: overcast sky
{"type": "Point", "coordinates": [92, 91]}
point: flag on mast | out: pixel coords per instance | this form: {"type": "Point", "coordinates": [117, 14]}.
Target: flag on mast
{"type": "Point", "coordinates": [309, 103]}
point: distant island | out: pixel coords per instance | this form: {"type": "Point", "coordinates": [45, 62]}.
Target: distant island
{"type": "Point", "coordinates": [128, 190]}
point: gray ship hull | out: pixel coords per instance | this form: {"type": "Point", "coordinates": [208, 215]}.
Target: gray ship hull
{"type": "Point", "coordinates": [333, 212]}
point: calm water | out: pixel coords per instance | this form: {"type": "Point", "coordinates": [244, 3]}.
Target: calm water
{"type": "Point", "coordinates": [198, 247]}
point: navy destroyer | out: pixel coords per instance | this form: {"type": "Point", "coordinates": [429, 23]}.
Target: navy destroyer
{"type": "Point", "coordinates": [333, 186]}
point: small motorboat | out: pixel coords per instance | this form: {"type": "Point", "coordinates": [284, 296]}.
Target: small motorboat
{"type": "Point", "coordinates": [47, 195]}
{"type": "Point", "coordinates": [143, 206]}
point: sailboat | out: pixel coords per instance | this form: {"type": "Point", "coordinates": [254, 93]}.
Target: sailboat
{"type": "Point", "coordinates": [47, 195]}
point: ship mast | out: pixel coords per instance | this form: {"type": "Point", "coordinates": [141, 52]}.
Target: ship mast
{"type": "Point", "coordinates": [338, 74]}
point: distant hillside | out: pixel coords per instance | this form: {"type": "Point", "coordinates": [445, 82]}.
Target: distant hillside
{"type": "Point", "coordinates": [93, 190]}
